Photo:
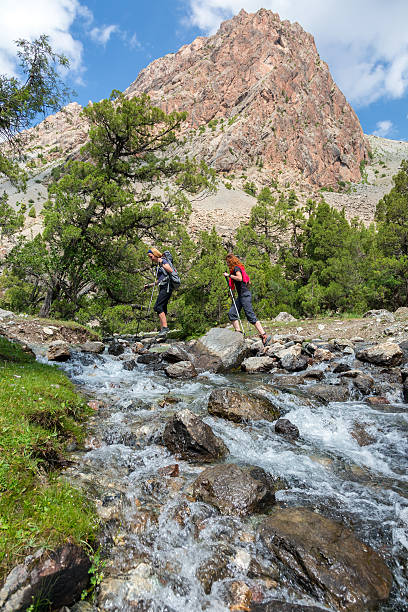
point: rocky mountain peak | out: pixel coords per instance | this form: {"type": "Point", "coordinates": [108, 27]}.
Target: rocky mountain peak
{"type": "Point", "coordinates": [267, 97]}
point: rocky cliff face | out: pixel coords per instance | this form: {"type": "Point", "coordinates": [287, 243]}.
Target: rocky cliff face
{"type": "Point", "coordinates": [262, 96]}
{"type": "Point", "coordinates": [261, 106]}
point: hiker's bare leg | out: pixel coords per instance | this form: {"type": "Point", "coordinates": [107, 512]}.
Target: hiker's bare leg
{"type": "Point", "coordinates": [163, 319]}
{"type": "Point", "coordinates": [235, 325]}
{"type": "Point", "coordinates": [260, 329]}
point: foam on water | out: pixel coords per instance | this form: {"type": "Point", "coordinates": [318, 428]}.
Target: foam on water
{"type": "Point", "coordinates": [325, 469]}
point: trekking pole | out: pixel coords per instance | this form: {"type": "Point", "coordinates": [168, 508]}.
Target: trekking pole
{"type": "Point", "coordinates": [235, 306]}
{"type": "Point", "coordinates": [154, 284]}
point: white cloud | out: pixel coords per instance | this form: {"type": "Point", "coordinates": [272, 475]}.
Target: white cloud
{"type": "Point", "coordinates": [25, 19]}
{"type": "Point", "coordinates": [29, 19]}
{"type": "Point", "coordinates": [365, 42]}
{"type": "Point", "coordinates": [103, 34]}
{"type": "Point", "coordinates": [384, 128]}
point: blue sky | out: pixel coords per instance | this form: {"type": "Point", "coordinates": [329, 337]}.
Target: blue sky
{"type": "Point", "coordinates": [109, 42]}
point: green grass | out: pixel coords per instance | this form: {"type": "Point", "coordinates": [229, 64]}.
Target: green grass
{"type": "Point", "coordinates": [39, 413]}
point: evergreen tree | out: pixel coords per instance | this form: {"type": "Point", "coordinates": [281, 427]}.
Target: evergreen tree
{"type": "Point", "coordinates": [101, 213]}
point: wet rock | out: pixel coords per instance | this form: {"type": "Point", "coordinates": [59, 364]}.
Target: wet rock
{"type": "Point", "coordinates": [339, 344]}
{"type": "Point", "coordinates": [341, 367]}
{"type": "Point", "coordinates": [58, 351]}
{"type": "Point", "coordinates": [313, 374]}
{"type": "Point", "coordinates": [188, 437]}
{"type": "Point", "coordinates": [181, 369]}
{"type": "Point", "coordinates": [169, 470]}
{"type": "Point", "coordinates": [275, 605]}
{"type": "Point", "coordinates": [58, 576]}
{"type": "Point", "coordinates": [116, 348]}
{"type": "Point", "coordinates": [141, 521]}
{"type": "Point", "coordinates": [364, 383]}
{"type": "Point", "coordinates": [283, 381]}
{"type": "Point", "coordinates": [377, 401]}
{"type": "Point", "coordinates": [322, 354]}
{"type": "Point", "coordinates": [325, 558]}
{"type": "Point", "coordinates": [214, 568]}
{"type": "Point", "coordinates": [350, 373]}
{"type": "Point", "coordinates": [126, 591]}
{"type": "Point", "coordinates": [235, 490]}
{"type": "Point", "coordinates": [82, 606]}
{"type": "Point", "coordinates": [219, 350]}
{"type": "Point", "coordinates": [285, 317]}
{"type": "Point", "coordinates": [285, 428]}
{"type": "Point", "coordinates": [237, 594]}
{"type": "Point", "coordinates": [92, 347]}
{"type": "Point", "coordinates": [361, 436]}
{"type": "Point", "coordinates": [291, 358]}
{"type": "Point", "coordinates": [176, 353]}
{"type": "Point", "coordinates": [148, 358]}
{"type": "Point", "coordinates": [386, 354]}
{"type": "Point", "coordinates": [129, 365]}
{"type": "Point", "coordinates": [237, 406]}
{"type": "Point", "coordinates": [258, 364]}
{"type": "Point", "coordinates": [328, 393]}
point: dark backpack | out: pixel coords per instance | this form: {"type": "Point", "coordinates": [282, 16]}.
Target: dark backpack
{"type": "Point", "coordinates": [174, 279]}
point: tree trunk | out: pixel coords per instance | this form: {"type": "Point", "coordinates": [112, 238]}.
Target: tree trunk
{"type": "Point", "coordinates": [46, 307]}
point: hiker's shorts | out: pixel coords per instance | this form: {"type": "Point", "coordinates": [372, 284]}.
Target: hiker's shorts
{"type": "Point", "coordinates": [243, 301]}
{"type": "Point", "coordinates": [162, 299]}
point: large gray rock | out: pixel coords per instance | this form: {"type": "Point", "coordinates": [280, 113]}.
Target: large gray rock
{"type": "Point", "coordinates": [58, 351]}
{"type": "Point", "coordinates": [219, 350]}
{"type": "Point", "coordinates": [291, 358]}
{"type": "Point", "coordinates": [59, 577]}
{"type": "Point", "coordinates": [181, 369]}
{"type": "Point", "coordinates": [175, 353]}
{"type": "Point", "coordinates": [235, 490]}
{"type": "Point", "coordinates": [92, 347]}
{"type": "Point", "coordinates": [328, 393]}
{"type": "Point", "coordinates": [188, 437]}
{"type": "Point", "coordinates": [385, 354]}
{"type": "Point", "coordinates": [252, 365]}
{"type": "Point", "coordinates": [238, 406]}
{"type": "Point", "coordinates": [326, 558]}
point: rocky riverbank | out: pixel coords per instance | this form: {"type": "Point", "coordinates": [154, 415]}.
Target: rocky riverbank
{"type": "Point", "coordinates": [230, 476]}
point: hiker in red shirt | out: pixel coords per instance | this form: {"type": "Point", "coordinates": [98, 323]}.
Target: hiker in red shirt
{"type": "Point", "coordinates": [238, 279]}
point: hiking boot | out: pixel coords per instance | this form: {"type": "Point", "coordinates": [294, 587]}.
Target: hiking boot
{"type": "Point", "coordinates": [163, 332]}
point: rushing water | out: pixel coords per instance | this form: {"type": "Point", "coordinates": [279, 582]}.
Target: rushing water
{"type": "Point", "coordinates": [365, 487]}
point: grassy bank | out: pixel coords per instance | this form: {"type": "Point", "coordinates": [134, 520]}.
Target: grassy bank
{"type": "Point", "coordinates": [39, 413]}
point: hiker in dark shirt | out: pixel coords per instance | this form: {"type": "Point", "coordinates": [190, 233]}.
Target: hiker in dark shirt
{"type": "Point", "coordinates": [238, 279]}
{"type": "Point", "coordinates": [165, 288]}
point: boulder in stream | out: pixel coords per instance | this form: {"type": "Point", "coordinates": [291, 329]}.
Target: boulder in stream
{"type": "Point", "coordinates": [58, 351]}
{"type": "Point", "coordinates": [188, 437]}
{"type": "Point", "coordinates": [238, 406]}
{"type": "Point", "coordinates": [92, 347]}
{"type": "Point", "coordinates": [235, 490]}
{"type": "Point", "coordinates": [275, 605]}
{"type": "Point", "coordinates": [328, 393]}
{"type": "Point", "coordinates": [291, 358]}
{"type": "Point", "coordinates": [327, 559]}
{"type": "Point", "coordinates": [252, 365]}
{"type": "Point", "coordinates": [221, 349]}
{"type": "Point", "coordinates": [287, 429]}
{"type": "Point", "coordinates": [176, 353]}
{"type": "Point", "coordinates": [59, 576]}
{"type": "Point", "coordinates": [181, 369]}
{"type": "Point", "coordinates": [385, 354]}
